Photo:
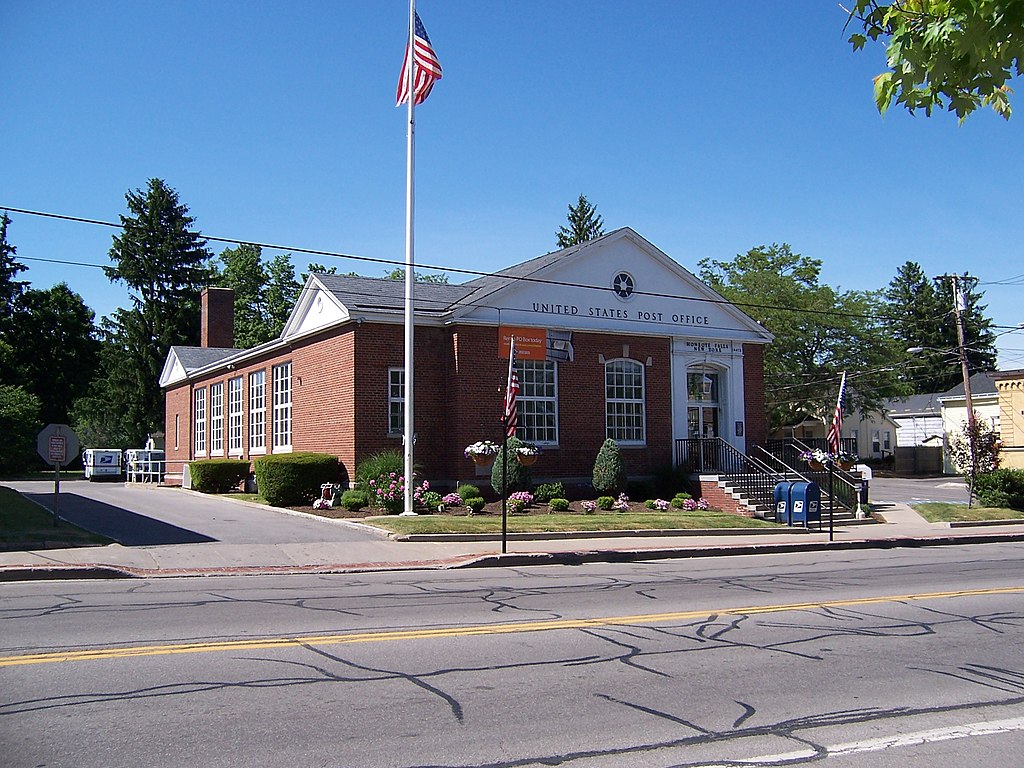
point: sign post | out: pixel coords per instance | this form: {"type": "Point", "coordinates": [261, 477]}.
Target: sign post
{"type": "Point", "coordinates": [57, 445]}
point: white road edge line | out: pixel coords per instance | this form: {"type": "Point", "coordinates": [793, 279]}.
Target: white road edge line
{"type": "Point", "coordinates": [876, 745]}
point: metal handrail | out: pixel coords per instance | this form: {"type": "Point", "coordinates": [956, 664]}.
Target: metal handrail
{"type": "Point", "coordinates": [751, 477]}
{"type": "Point", "coordinates": [845, 487]}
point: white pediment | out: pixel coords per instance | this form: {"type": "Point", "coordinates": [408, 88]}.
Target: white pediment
{"type": "Point", "coordinates": [619, 283]}
{"type": "Point", "coordinates": [316, 309]}
{"type": "Point", "coordinates": [173, 371]}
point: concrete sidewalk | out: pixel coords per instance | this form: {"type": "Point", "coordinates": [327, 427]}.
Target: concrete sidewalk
{"type": "Point", "coordinates": [902, 528]}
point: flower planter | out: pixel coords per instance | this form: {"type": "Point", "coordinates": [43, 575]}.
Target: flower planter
{"type": "Point", "coordinates": [846, 466]}
{"type": "Point", "coordinates": [815, 466]}
{"type": "Point", "coordinates": [483, 459]}
{"type": "Point", "coordinates": [526, 459]}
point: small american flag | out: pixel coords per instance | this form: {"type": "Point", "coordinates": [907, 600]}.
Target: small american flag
{"type": "Point", "coordinates": [426, 68]}
{"type": "Point", "coordinates": [835, 431]}
{"type": "Point", "coordinates": [511, 391]}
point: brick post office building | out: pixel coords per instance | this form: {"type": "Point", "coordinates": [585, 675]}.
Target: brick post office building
{"type": "Point", "coordinates": [626, 344]}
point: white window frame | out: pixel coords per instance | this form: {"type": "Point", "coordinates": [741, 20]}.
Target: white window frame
{"type": "Point", "coordinates": [258, 411]}
{"type": "Point", "coordinates": [537, 402]}
{"type": "Point", "coordinates": [199, 422]}
{"type": "Point", "coordinates": [282, 415]}
{"type": "Point", "coordinates": [217, 419]}
{"type": "Point", "coordinates": [396, 401]}
{"type": "Point", "coordinates": [235, 420]}
{"type": "Point", "coordinates": [623, 402]}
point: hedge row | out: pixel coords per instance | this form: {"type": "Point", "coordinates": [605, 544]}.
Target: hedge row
{"type": "Point", "coordinates": [1002, 488]}
{"type": "Point", "coordinates": [294, 478]}
{"type": "Point", "coordinates": [218, 475]}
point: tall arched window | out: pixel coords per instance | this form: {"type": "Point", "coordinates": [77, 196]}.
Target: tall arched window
{"type": "Point", "coordinates": [624, 401]}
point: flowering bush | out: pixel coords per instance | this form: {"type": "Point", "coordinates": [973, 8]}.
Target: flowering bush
{"type": "Point", "coordinates": [622, 503]}
{"type": "Point", "coordinates": [519, 501]}
{"type": "Point", "coordinates": [451, 500]}
{"type": "Point", "coordinates": [659, 504]}
{"type": "Point", "coordinates": [388, 492]}
{"type": "Point", "coordinates": [589, 507]}
{"type": "Point", "coordinates": [481, 448]}
{"type": "Point", "coordinates": [817, 455]}
{"type": "Point", "coordinates": [691, 505]}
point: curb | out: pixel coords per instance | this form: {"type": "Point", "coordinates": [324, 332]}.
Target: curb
{"type": "Point", "coordinates": [499, 560]}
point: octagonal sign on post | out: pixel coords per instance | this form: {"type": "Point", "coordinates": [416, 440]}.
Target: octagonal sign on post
{"type": "Point", "coordinates": [57, 444]}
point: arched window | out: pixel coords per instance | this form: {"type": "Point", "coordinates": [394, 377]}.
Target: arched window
{"type": "Point", "coordinates": [624, 401]}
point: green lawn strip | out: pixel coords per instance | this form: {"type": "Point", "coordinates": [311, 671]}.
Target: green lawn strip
{"type": "Point", "coordinates": [942, 512]}
{"type": "Point", "coordinates": [623, 521]}
{"type": "Point", "coordinates": [24, 522]}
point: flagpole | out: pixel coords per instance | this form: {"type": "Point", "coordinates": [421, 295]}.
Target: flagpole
{"type": "Point", "coordinates": [410, 194]}
{"type": "Point", "coordinates": [504, 445]}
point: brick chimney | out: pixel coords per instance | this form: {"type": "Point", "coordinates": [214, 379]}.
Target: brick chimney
{"type": "Point", "coordinates": [218, 318]}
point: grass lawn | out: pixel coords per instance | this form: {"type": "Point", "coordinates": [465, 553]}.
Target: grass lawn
{"type": "Point", "coordinates": [25, 524]}
{"type": "Point", "coordinates": [617, 521]}
{"type": "Point", "coordinates": [940, 512]}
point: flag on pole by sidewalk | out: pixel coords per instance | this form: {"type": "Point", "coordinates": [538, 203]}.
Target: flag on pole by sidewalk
{"type": "Point", "coordinates": [426, 68]}
{"type": "Point", "coordinates": [835, 431]}
{"type": "Point", "coordinates": [511, 391]}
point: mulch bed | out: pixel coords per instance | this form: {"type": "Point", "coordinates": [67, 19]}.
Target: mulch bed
{"type": "Point", "coordinates": [492, 508]}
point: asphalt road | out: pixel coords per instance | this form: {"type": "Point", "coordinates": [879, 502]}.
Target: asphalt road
{"type": "Point", "coordinates": [910, 490]}
{"type": "Point", "coordinates": [880, 658]}
{"type": "Point", "coordinates": [139, 515]}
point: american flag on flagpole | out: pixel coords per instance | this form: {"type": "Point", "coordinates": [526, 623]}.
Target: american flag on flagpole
{"type": "Point", "coordinates": [511, 391]}
{"type": "Point", "coordinates": [835, 431]}
{"type": "Point", "coordinates": [426, 68]}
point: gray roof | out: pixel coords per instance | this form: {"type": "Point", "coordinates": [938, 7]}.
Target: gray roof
{"type": "Point", "coordinates": [983, 383]}
{"type": "Point", "coordinates": [383, 295]}
{"type": "Point", "coordinates": [915, 405]}
{"type": "Point", "coordinates": [194, 358]}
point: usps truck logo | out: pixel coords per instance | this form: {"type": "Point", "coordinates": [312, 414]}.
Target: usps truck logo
{"type": "Point", "coordinates": [108, 459]}
{"type": "Point", "coordinates": [623, 285]}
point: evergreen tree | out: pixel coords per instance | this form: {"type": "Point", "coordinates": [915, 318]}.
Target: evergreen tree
{"type": "Point", "coordinates": [585, 223]}
{"type": "Point", "coordinates": [609, 469]}
{"type": "Point", "coordinates": [164, 263]}
{"type": "Point", "coordinates": [10, 288]}
{"type": "Point", "coordinates": [920, 311]}
{"type": "Point", "coordinates": [515, 476]}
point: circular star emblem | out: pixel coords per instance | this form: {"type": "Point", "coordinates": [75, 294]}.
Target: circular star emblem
{"type": "Point", "coordinates": [623, 285]}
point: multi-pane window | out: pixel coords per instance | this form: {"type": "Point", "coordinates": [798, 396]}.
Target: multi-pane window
{"type": "Point", "coordinates": [537, 401]}
{"type": "Point", "coordinates": [396, 401]}
{"type": "Point", "coordinates": [624, 401]}
{"type": "Point", "coordinates": [217, 419]}
{"type": "Point", "coordinates": [282, 418]}
{"type": "Point", "coordinates": [235, 415]}
{"type": "Point", "coordinates": [199, 422]}
{"type": "Point", "coordinates": [258, 411]}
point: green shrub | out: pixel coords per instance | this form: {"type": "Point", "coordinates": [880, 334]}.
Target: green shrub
{"type": "Point", "coordinates": [379, 465]}
{"type": "Point", "coordinates": [547, 491]}
{"type": "Point", "coordinates": [353, 500]}
{"type": "Point", "coordinates": [218, 475]}
{"type": "Point", "coordinates": [294, 478]}
{"type": "Point", "coordinates": [1001, 488]}
{"type": "Point", "coordinates": [430, 500]}
{"type": "Point", "coordinates": [515, 476]}
{"type": "Point", "coordinates": [475, 503]}
{"type": "Point", "coordinates": [468, 491]}
{"type": "Point", "coordinates": [609, 469]}
{"type": "Point", "coordinates": [558, 505]}
{"type": "Point", "coordinates": [605, 503]}
{"type": "Point", "coordinates": [679, 500]}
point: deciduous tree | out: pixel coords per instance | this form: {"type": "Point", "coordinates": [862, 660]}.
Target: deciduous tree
{"type": "Point", "coordinates": [957, 55]}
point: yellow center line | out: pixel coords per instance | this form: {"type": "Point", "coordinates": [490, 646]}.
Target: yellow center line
{"type": "Point", "coordinates": [470, 631]}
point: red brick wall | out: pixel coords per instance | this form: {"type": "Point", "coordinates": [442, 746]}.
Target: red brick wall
{"type": "Point", "coordinates": [753, 391]}
{"type": "Point", "coordinates": [218, 318]}
{"type": "Point", "coordinates": [178, 402]}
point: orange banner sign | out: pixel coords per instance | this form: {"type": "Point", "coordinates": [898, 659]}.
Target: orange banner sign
{"type": "Point", "coordinates": [531, 343]}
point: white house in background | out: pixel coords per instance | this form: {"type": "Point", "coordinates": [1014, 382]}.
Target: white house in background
{"type": "Point", "coordinates": [984, 398]}
{"type": "Point", "coordinates": [920, 438]}
{"type": "Point", "coordinates": [874, 432]}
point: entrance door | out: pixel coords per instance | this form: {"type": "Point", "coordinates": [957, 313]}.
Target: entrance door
{"type": "Point", "coordinates": [702, 421]}
{"type": "Point", "coordinates": [703, 408]}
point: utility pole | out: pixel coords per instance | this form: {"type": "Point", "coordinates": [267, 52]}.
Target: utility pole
{"type": "Point", "coordinates": [959, 307]}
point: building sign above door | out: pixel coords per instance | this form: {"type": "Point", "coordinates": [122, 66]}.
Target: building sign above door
{"type": "Point", "coordinates": [709, 347]}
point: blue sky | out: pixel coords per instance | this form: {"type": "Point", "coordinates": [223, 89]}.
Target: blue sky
{"type": "Point", "coordinates": [710, 128]}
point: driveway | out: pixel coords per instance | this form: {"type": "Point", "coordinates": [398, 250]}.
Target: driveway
{"type": "Point", "coordinates": [908, 490]}
{"type": "Point", "coordinates": [140, 515]}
